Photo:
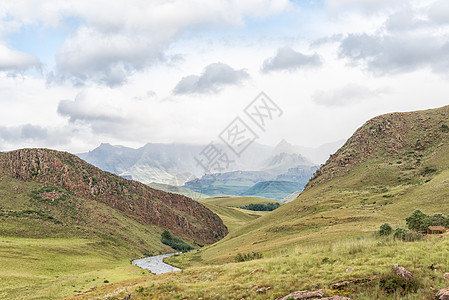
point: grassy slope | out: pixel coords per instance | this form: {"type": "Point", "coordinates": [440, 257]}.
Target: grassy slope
{"type": "Point", "coordinates": [303, 267]}
{"type": "Point", "coordinates": [41, 259]}
{"type": "Point", "coordinates": [383, 186]}
{"type": "Point", "coordinates": [228, 209]}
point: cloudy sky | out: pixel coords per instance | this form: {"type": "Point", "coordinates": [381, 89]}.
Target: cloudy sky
{"type": "Point", "coordinates": [74, 74]}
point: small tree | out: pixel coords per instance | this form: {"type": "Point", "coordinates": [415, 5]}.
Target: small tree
{"type": "Point", "coordinates": [438, 220]}
{"type": "Point", "coordinates": [417, 221]}
{"type": "Point", "coordinates": [385, 229]}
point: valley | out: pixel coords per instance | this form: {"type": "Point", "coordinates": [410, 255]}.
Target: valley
{"type": "Point", "coordinates": [391, 166]}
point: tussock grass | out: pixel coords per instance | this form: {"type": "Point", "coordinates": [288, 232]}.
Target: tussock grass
{"type": "Point", "coordinates": [306, 267]}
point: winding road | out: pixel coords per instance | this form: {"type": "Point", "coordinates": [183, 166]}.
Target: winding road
{"type": "Point", "coordinates": [155, 264]}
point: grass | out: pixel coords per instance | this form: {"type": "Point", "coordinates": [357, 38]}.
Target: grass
{"type": "Point", "coordinates": [55, 268]}
{"type": "Point", "coordinates": [303, 267]}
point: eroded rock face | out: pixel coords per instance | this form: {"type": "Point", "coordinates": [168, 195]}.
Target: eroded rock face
{"type": "Point", "coordinates": [179, 214]}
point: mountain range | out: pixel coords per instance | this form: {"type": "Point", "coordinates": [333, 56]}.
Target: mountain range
{"type": "Point", "coordinates": [170, 165]}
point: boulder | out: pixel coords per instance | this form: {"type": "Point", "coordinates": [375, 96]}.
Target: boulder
{"type": "Point", "coordinates": [442, 294]}
{"type": "Point", "coordinates": [403, 272]}
{"type": "Point", "coordinates": [446, 276]}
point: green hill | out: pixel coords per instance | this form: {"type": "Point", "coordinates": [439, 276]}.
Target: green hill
{"type": "Point", "coordinates": [275, 189]}
{"type": "Point", "coordinates": [65, 223]}
{"type": "Point", "coordinates": [392, 165]}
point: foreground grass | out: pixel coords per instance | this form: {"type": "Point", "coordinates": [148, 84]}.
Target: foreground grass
{"type": "Point", "coordinates": [308, 267]}
{"type": "Point", "coordinates": [55, 268]}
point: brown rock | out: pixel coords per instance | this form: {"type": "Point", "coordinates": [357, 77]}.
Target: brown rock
{"type": "Point", "coordinates": [403, 272]}
{"type": "Point", "coordinates": [443, 294]}
{"type": "Point", "coordinates": [254, 271]}
{"type": "Point", "coordinates": [446, 276]}
{"type": "Point", "coordinates": [298, 295]}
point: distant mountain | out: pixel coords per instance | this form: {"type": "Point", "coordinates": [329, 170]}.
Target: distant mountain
{"type": "Point", "coordinates": [172, 164]}
{"type": "Point", "coordinates": [275, 190]}
{"type": "Point", "coordinates": [177, 190]}
{"type": "Point", "coordinates": [227, 184]}
{"type": "Point", "coordinates": [316, 155]}
{"type": "Point", "coordinates": [176, 165]}
{"type": "Point", "coordinates": [282, 162]}
{"type": "Point", "coordinates": [58, 194]}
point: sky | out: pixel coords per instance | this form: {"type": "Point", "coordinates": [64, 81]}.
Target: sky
{"type": "Point", "coordinates": [74, 74]}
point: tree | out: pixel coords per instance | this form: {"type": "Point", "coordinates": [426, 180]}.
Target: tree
{"type": "Point", "coordinates": [385, 229]}
{"type": "Point", "coordinates": [438, 220]}
{"type": "Point", "coordinates": [417, 221]}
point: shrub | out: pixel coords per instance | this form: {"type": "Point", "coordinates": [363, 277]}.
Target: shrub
{"type": "Point", "coordinates": [392, 283]}
{"type": "Point", "coordinates": [444, 128]}
{"type": "Point", "coordinates": [385, 229]}
{"type": "Point", "coordinates": [399, 234]}
{"type": "Point", "coordinates": [261, 207]}
{"type": "Point", "coordinates": [174, 242]}
{"type": "Point", "coordinates": [248, 256]}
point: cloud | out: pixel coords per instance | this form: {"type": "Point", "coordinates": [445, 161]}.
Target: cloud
{"type": "Point", "coordinates": [439, 12]}
{"type": "Point", "coordinates": [212, 80]}
{"type": "Point", "coordinates": [113, 41]}
{"type": "Point", "coordinates": [366, 6]}
{"type": "Point", "coordinates": [85, 109]}
{"type": "Point", "coordinates": [29, 134]}
{"type": "Point", "coordinates": [345, 96]}
{"type": "Point", "coordinates": [287, 59]}
{"type": "Point", "coordinates": [12, 60]}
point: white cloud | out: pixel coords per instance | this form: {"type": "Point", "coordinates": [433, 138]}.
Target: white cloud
{"type": "Point", "coordinates": [287, 59]}
{"type": "Point", "coordinates": [212, 80]}
{"type": "Point", "coordinates": [347, 95]}
{"type": "Point", "coordinates": [12, 60]}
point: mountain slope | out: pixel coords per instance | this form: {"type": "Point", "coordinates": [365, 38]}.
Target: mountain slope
{"type": "Point", "coordinates": [392, 165]}
{"type": "Point", "coordinates": [69, 188]}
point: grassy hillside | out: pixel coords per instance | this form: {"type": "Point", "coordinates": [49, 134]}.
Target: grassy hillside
{"type": "Point", "coordinates": [228, 209]}
{"type": "Point", "coordinates": [51, 200]}
{"type": "Point", "coordinates": [392, 165]}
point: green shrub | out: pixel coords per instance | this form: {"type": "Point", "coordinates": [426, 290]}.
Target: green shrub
{"type": "Point", "coordinates": [392, 283]}
{"type": "Point", "coordinates": [261, 207]}
{"type": "Point", "coordinates": [174, 242]}
{"type": "Point", "coordinates": [399, 234]}
{"type": "Point", "coordinates": [385, 229]}
{"type": "Point", "coordinates": [248, 256]}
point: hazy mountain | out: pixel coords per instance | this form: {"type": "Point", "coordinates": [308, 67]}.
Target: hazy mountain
{"type": "Point", "coordinates": [316, 155]}
{"type": "Point", "coordinates": [176, 165]}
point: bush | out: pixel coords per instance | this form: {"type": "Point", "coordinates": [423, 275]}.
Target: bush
{"type": "Point", "coordinates": [392, 283]}
{"type": "Point", "coordinates": [385, 229]}
{"type": "Point", "coordinates": [248, 256]}
{"type": "Point", "coordinates": [399, 234]}
{"type": "Point", "coordinates": [174, 242]}
{"type": "Point", "coordinates": [261, 207]}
